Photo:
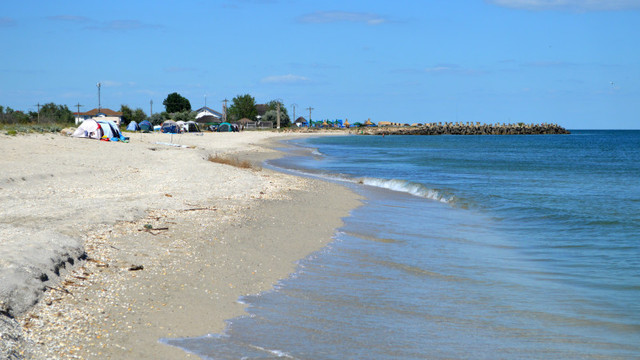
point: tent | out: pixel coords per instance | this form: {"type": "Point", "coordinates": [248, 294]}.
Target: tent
{"type": "Point", "coordinates": [191, 126]}
{"type": "Point", "coordinates": [225, 127]}
{"type": "Point", "coordinates": [133, 126]}
{"type": "Point", "coordinates": [89, 129]}
{"type": "Point", "coordinates": [170, 127]}
{"type": "Point", "coordinates": [145, 126]}
{"type": "Point", "coordinates": [110, 130]}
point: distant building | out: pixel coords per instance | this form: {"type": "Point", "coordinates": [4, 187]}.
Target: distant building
{"type": "Point", "coordinates": [102, 114]}
{"type": "Point", "coordinates": [301, 122]}
{"type": "Point", "coordinates": [208, 115]}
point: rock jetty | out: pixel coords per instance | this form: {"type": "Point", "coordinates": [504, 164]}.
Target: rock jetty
{"type": "Point", "coordinates": [465, 129]}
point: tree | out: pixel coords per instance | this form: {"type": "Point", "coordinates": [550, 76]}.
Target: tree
{"type": "Point", "coordinates": [157, 118]}
{"type": "Point", "coordinates": [56, 113]}
{"type": "Point", "coordinates": [127, 114]}
{"type": "Point", "coordinates": [284, 116]}
{"type": "Point", "coordinates": [139, 115]}
{"type": "Point", "coordinates": [272, 115]}
{"type": "Point", "coordinates": [176, 103]}
{"type": "Point", "coordinates": [242, 106]}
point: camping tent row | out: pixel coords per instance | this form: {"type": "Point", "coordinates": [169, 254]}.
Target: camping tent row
{"type": "Point", "coordinates": [144, 125]}
{"type": "Point", "coordinates": [176, 127]}
{"type": "Point", "coordinates": [168, 126]}
{"type": "Point", "coordinates": [100, 130]}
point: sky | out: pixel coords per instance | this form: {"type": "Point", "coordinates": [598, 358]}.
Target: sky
{"type": "Point", "coordinates": [570, 62]}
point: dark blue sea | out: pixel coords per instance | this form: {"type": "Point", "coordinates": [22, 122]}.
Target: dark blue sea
{"type": "Point", "coordinates": [466, 247]}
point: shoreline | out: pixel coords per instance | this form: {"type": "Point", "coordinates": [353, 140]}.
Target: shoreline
{"type": "Point", "coordinates": [208, 244]}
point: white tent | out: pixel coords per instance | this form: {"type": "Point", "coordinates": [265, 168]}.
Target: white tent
{"type": "Point", "coordinates": [89, 129]}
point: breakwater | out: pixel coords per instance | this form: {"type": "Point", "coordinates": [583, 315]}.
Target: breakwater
{"type": "Point", "coordinates": [464, 129]}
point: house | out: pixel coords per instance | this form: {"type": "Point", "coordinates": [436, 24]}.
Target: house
{"type": "Point", "coordinates": [102, 113]}
{"type": "Point", "coordinates": [208, 115]}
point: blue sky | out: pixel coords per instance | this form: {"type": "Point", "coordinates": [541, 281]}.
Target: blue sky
{"type": "Point", "coordinates": [575, 63]}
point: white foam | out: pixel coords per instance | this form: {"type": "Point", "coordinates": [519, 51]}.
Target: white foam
{"type": "Point", "coordinates": [408, 187]}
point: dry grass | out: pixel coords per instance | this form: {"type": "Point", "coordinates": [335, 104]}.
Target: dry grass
{"type": "Point", "coordinates": [233, 161]}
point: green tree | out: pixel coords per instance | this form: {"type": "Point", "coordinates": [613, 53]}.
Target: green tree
{"type": "Point", "coordinates": [127, 114]}
{"type": "Point", "coordinates": [242, 106]}
{"type": "Point", "coordinates": [157, 118]}
{"type": "Point", "coordinates": [56, 113]}
{"type": "Point", "coordinates": [272, 115]}
{"type": "Point", "coordinates": [176, 103]}
{"type": "Point", "coordinates": [284, 115]}
{"type": "Point", "coordinates": [139, 115]}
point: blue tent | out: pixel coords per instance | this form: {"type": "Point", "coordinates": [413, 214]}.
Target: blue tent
{"type": "Point", "coordinates": [145, 125]}
{"type": "Point", "coordinates": [170, 127]}
{"type": "Point", "coordinates": [133, 126]}
{"type": "Point", "coordinates": [110, 130]}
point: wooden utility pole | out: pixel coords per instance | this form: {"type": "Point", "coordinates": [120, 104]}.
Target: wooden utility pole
{"type": "Point", "coordinates": [278, 116]}
{"type": "Point", "coordinates": [310, 108]}
{"type": "Point", "coordinates": [38, 105]}
{"type": "Point", "coordinates": [151, 105]}
{"type": "Point", "coordinates": [224, 110]}
{"type": "Point", "coordinates": [78, 118]}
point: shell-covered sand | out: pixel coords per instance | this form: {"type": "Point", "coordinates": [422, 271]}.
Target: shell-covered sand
{"type": "Point", "coordinates": [108, 247]}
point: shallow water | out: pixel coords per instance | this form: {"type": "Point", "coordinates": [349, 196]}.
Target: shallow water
{"type": "Point", "coordinates": [486, 247]}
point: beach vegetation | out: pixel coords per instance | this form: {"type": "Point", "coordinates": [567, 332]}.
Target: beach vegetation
{"type": "Point", "coordinates": [50, 118]}
{"type": "Point", "coordinates": [176, 103]}
{"type": "Point", "coordinates": [232, 161]}
{"type": "Point", "coordinates": [242, 106]}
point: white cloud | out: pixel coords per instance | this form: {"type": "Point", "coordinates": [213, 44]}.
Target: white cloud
{"type": "Point", "coordinates": [284, 79]}
{"type": "Point", "coordinates": [572, 5]}
{"type": "Point", "coordinates": [326, 17]}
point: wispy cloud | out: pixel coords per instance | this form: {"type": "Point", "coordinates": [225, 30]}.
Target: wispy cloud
{"type": "Point", "coordinates": [7, 22]}
{"type": "Point", "coordinates": [452, 69]}
{"type": "Point", "coordinates": [327, 17]}
{"type": "Point", "coordinates": [113, 25]}
{"type": "Point", "coordinates": [178, 69]}
{"type": "Point", "coordinates": [569, 5]}
{"type": "Point", "coordinates": [69, 18]}
{"type": "Point", "coordinates": [123, 25]}
{"type": "Point", "coordinates": [284, 79]}
{"type": "Point", "coordinates": [549, 64]}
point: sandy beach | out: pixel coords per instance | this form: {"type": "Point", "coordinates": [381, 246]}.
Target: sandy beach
{"type": "Point", "coordinates": [108, 247]}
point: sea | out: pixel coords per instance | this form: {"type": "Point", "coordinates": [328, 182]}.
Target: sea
{"type": "Point", "coordinates": [465, 247]}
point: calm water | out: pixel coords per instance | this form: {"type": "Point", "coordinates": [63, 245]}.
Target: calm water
{"type": "Point", "coordinates": [475, 247]}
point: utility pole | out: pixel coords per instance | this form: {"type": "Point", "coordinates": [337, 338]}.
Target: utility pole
{"type": "Point", "coordinates": [293, 120]}
{"type": "Point", "coordinates": [224, 110]}
{"type": "Point", "coordinates": [78, 118]}
{"type": "Point", "coordinates": [278, 117]}
{"type": "Point", "coordinates": [38, 105]}
{"type": "Point", "coordinates": [151, 104]}
{"type": "Point", "coordinates": [99, 104]}
{"type": "Point", "coordinates": [310, 108]}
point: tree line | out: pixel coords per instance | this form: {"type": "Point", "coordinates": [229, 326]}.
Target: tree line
{"type": "Point", "coordinates": [176, 106]}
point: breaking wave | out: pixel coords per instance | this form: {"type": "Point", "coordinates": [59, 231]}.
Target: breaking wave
{"type": "Point", "coordinates": [409, 187]}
